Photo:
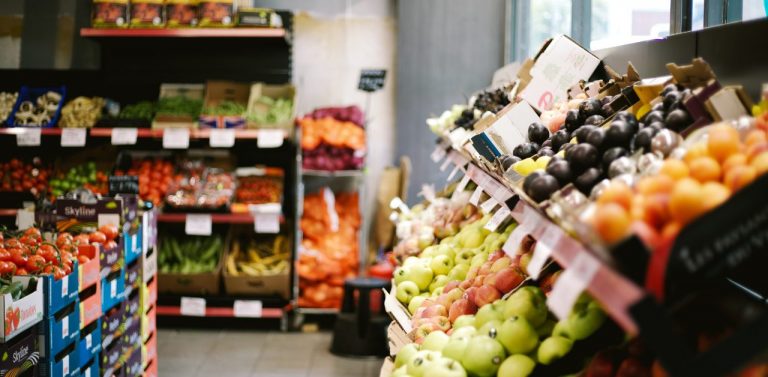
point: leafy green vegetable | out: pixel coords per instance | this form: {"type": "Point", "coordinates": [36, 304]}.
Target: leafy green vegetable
{"type": "Point", "coordinates": [141, 110]}
{"type": "Point", "coordinates": [228, 108]}
{"type": "Point", "coordinates": [179, 106]}
{"type": "Point", "coordinates": [271, 110]}
{"type": "Point", "coordinates": [189, 254]}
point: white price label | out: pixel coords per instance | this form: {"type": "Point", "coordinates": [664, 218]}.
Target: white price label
{"type": "Point", "coordinates": [248, 308]}
{"type": "Point", "coordinates": [134, 240]}
{"type": "Point", "coordinates": [543, 250]}
{"type": "Point", "coordinates": [176, 138]}
{"type": "Point", "coordinates": [65, 286]}
{"type": "Point", "coordinates": [73, 137]}
{"type": "Point", "coordinates": [270, 138]}
{"type": "Point", "coordinates": [515, 238]}
{"type": "Point", "coordinates": [193, 306]}
{"type": "Point", "coordinates": [65, 365]}
{"type": "Point", "coordinates": [460, 186]}
{"type": "Point", "coordinates": [108, 219]}
{"type": "Point", "coordinates": [25, 219]}
{"type": "Point", "coordinates": [475, 198]}
{"type": "Point", "coordinates": [124, 136]}
{"type": "Point", "coordinates": [453, 172]}
{"type": "Point", "coordinates": [28, 137]}
{"type": "Point", "coordinates": [65, 328]}
{"type": "Point", "coordinates": [571, 283]}
{"type": "Point", "coordinates": [113, 288]}
{"type": "Point", "coordinates": [266, 222]}
{"type": "Point", "coordinates": [87, 372]}
{"type": "Point", "coordinates": [498, 218]}
{"type": "Point", "coordinates": [222, 137]}
{"type": "Point", "coordinates": [445, 164]}
{"type": "Point", "coordinates": [198, 225]}
{"type": "Point", "coordinates": [438, 153]}
{"type": "Point", "coordinates": [488, 205]}
{"type": "Point", "coordinates": [89, 341]}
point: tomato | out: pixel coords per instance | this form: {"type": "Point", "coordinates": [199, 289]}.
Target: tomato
{"type": "Point", "coordinates": [58, 273]}
{"type": "Point", "coordinates": [35, 263]}
{"type": "Point", "coordinates": [18, 258]}
{"type": "Point", "coordinates": [109, 230]}
{"type": "Point", "coordinates": [12, 242]}
{"type": "Point", "coordinates": [82, 259]}
{"type": "Point", "coordinates": [64, 239]}
{"type": "Point", "coordinates": [29, 240]}
{"type": "Point", "coordinates": [48, 269]}
{"type": "Point", "coordinates": [109, 245]}
{"type": "Point", "coordinates": [7, 268]}
{"type": "Point", "coordinates": [48, 253]}
{"type": "Point", "coordinates": [82, 239]}
{"type": "Point", "coordinates": [33, 232]}
{"type": "Point", "coordinates": [21, 272]}
{"type": "Point", "coordinates": [67, 268]}
{"type": "Point", "coordinates": [5, 255]}
{"type": "Point", "coordinates": [97, 237]}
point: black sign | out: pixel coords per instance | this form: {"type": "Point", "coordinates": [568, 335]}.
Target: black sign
{"type": "Point", "coordinates": [123, 184]}
{"type": "Point", "coordinates": [372, 80]}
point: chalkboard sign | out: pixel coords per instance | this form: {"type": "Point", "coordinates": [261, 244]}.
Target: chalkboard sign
{"type": "Point", "coordinates": [124, 184]}
{"type": "Point", "coordinates": [372, 80]}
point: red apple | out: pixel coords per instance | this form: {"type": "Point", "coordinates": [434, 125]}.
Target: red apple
{"type": "Point", "coordinates": [490, 279]}
{"type": "Point", "coordinates": [602, 365]}
{"type": "Point", "coordinates": [472, 272]}
{"type": "Point", "coordinates": [466, 284]}
{"type": "Point", "coordinates": [446, 299]}
{"type": "Point", "coordinates": [469, 294]}
{"type": "Point", "coordinates": [451, 284]}
{"type": "Point", "coordinates": [632, 367]}
{"type": "Point", "coordinates": [486, 294]}
{"type": "Point", "coordinates": [548, 281]}
{"type": "Point", "coordinates": [485, 268]}
{"type": "Point", "coordinates": [460, 307]}
{"type": "Point", "coordinates": [441, 322]}
{"type": "Point", "coordinates": [435, 310]}
{"type": "Point", "coordinates": [493, 257]}
{"type": "Point", "coordinates": [479, 280]}
{"type": "Point", "coordinates": [509, 278]}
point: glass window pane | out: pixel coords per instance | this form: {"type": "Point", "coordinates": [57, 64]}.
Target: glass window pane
{"type": "Point", "coordinates": [697, 18]}
{"type": "Point", "coordinates": [620, 22]}
{"type": "Point", "coordinates": [752, 9]}
{"type": "Point", "coordinates": [547, 19]}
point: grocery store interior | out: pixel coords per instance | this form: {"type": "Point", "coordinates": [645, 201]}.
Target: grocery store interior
{"type": "Point", "coordinates": [376, 188]}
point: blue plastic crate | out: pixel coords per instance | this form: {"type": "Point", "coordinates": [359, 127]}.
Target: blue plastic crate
{"type": "Point", "coordinates": [90, 368]}
{"type": "Point", "coordinates": [60, 293]}
{"type": "Point", "coordinates": [132, 245]}
{"type": "Point", "coordinates": [57, 332]}
{"type": "Point", "coordinates": [63, 364]}
{"type": "Point", "coordinates": [89, 345]}
{"type": "Point", "coordinates": [112, 290]}
{"type": "Point", "coordinates": [31, 94]}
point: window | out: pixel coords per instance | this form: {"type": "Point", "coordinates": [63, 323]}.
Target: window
{"type": "Point", "coordinates": [617, 23]}
{"type": "Point", "coordinates": [548, 18]}
{"type": "Point", "coordinates": [752, 9]}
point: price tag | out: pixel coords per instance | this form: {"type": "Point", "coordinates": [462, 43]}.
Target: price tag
{"type": "Point", "coordinates": [73, 137]}
{"type": "Point", "coordinates": [108, 219]}
{"type": "Point", "coordinates": [65, 365]}
{"type": "Point", "coordinates": [330, 206]}
{"type": "Point", "coordinates": [498, 218]}
{"type": "Point", "coordinates": [89, 341]}
{"type": "Point", "coordinates": [65, 286]}
{"type": "Point", "coordinates": [571, 283]}
{"type": "Point", "coordinates": [113, 288]}
{"type": "Point", "coordinates": [87, 373]}
{"type": "Point", "coordinates": [65, 328]}
{"type": "Point", "coordinates": [198, 225]}
{"type": "Point", "coordinates": [25, 219]}
{"type": "Point", "coordinates": [460, 186]}
{"type": "Point", "coordinates": [515, 238]}
{"type": "Point", "coordinates": [266, 222]}
{"type": "Point", "coordinates": [248, 308]}
{"type": "Point", "coordinates": [28, 137]}
{"type": "Point", "coordinates": [488, 205]}
{"type": "Point", "coordinates": [269, 138]}
{"type": "Point", "coordinates": [475, 198]}
{"type": "Point", "coordinates": [438, 153]}
{"type": "Point", "coordinates": [445, 164]}
{"type": "Point", "coordinates": [453, 172]}
{"type": "Point", "coordinates": [543, 250]}
{"type": "Point", "coordinates": [193, 306]}
{"type": "Point", "coordinates": [176, 138]}
{"type": "Point", "coordinates": [124, 136]}
{"type": "Point", "coordinates": [222, 137]}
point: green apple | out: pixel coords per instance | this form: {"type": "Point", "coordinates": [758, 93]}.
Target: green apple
{"type": "Point", "coordinates": [485, 314]}
{"type": "Point", "coordinates": [400, 274]}
{"type": "Point", "coordinates": [527, 303]}
{"type": "Point", "coordinates": [429, 252]}
{"type": "Point", "coordinates": [421, 274]}
{"type": "Point", "coordinates": [584, 323]}
{"type": "Point", "coordinates": [466, 331]}
{"type": "Point", "coordinates": [438, 282]}
{"type": "Point", "coordinates": [447, 241]}
{"type": "Point", "coordinates": [435, 341]}
{"type": "Point", "coordinates": [490, 328]}
{"type": "Point", "coordinates": [445, 249]}
{"type": "Point", "coordinates": [517, 335]}
{"type": "Point", "coordinates": [516, 366]}
{"type": "Point", "coordinates": [406, 291]}
{"type": "Point", "coordinates": [479, 259]}
{"type": "Point", "coordinates": [445, 367]}
{"type": "Point", "coordinates": [561, 328]}
{"type": "Point", "coordinates": [483, 356]}
{"type": "Point", "coordinates": [405, 354]}
{"type": "Point", "coordinates": [426, 237]}
{"type": "Point", "coordinates": [463, 256]}
{"type": "Point", "coordinates": [464, 321]}
{"type": "Point", "coordinates": [436, 292]}
{"type": "Point", "coordinates": [458, 272]}
{"type": "Point", "coordinates": [415, 303]}
{"type": "Point", "coordinates": [473, 239]}
{"type": "Point", "coordinates": [422, 361]}
{"type": "Point", "coordinates": [400, 372]}
{"type": "Point", "coordinates": [456, 346]}
{"type": "Point", "coordinates": [441, 264]}
{"type": "Point", "coordinates": [553, 349]}
{"type": "Point", "coordinates": [546, 329]}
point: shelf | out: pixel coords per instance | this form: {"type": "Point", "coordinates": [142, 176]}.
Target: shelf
{"type": "Point", "coordinates": [216, 218]}
{"type": "Point", "coordinates": [332, 174]}
{"type": "Point", "coordinates": [222, 306]}
{"type": "Point", "coordinates": [8, 212]}
{"type": "Point", "coordinates": [219, 312]}
{"type": "Point", "coordinates": [184, 33]}
{"type": "Point", "coordinates": [142, 133]}
{"type": "Point", "coordinates": [317, 311]}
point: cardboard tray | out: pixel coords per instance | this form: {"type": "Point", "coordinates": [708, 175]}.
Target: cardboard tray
{"type": "Point", "coordinates": [149, 350]}
{"type": "Point", "coordinates": [151, 369]}
{"type": "Point", "coordinates": [57, 332]}
{"type": "Point", "coordinates": [148, 324]}
{"type": "Point", "coordinates": [89, 273]}
{"type": "Point", "coordinates": [90, 305]}
{"type": "Point", "coordinates": [286, 91]}
{"type": "Point", "coordinates": [148, 295]}
{"type": "Point", "coordinates": [29, 309]}
{"type": "Point", "coordinates": [112, 290]}
{"type": "Point", "coordinates": [60, 293]}
{"type": "Point", "coordinates": [90, 368]}
{"type": "Point", "coordinates": [132, 277]}
{"type": "Point", "coordinates": [113, 325]}
{"type": "Point", "coordinates": [89, 345]}
{"type": "Point", "coordinates": [193, 284]}
{"type": "Point", "coordinates": [132, 242]}
{"type": "Point", "coordinates": [25, 355]}
{"type": "Point", "coordinates": [63, 364]}
{"type": "Point", "coordinates": [266, 285]}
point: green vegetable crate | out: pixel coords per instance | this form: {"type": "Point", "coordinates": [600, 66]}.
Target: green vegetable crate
{"type": "Point", "coordinates": [272, 106]}
{"type": "Point", "coordinates": [190, 264]}
{"type": "Point", "coordinates": [179, 106]}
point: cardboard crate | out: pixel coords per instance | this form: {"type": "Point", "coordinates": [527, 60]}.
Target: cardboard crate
{"type": "Point", "coordinates": [59, 330]}
{"type": "Point", "coordinates": [110, 357]}
{"type": "Point", "coordinates": [27, 311]}
{"type": "Point", "coordinates": [286, 91]}
{"type": "Point", "coordinates": [246, 285]}
{"type": "Point", "coordinates": [112, 260]}
{"type": "Point", "coordinates": [191, 91]}
{"type": "Point", "coordinates": [60, 293]}
{"type": "Point", "coordinates": [63, 364]}
{"type": "Point", "coordinates": [149, 350]}
{"type": "Point", "coordinates": [90, 368]}
{"type": "Point", "coordinates": [113, 324]}
{"type": "Point", "coordinates": [217, 92]}
{"type": "Point", "coordinates": [132, 243]}
{"type": "Point", "coordinates": [133, 304]}
{"type": "Point", "coordinates": [112, 289]}
{"type": "Point", "coordinates": [148, 323]}
{"type": "Point", "coordinates": [151, 369]}
{"type": "Point", "coordinates": [90, 305]}
{"type": "Point", "coordinates": [133, 365]}
{"type": "Point", "coordinates": [89, 273]}
{"type": "Point", "coordinates": [89, 345]}
{"type": "Point", "coordinates": [149, 265]}
{"type": "Point", "coordinates": [148, 295]}
{"type": "Point", "coordinates": [24, 355]}
{"type": "Point", "coordinates": [148, 230]}
{"type": "Point", "coordinates": [133, 276]}
{"type": "Point", "coordinates": [204, 283]}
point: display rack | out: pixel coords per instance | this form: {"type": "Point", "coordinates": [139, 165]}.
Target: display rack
{"type": "Point", "coordinates": [185, 33]}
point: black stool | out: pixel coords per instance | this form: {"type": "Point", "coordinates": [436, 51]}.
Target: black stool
{"type": "Point", "coordinates": [358, 332]}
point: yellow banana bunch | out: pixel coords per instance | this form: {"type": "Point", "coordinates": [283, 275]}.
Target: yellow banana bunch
{"type": "Point", "coordinates": [260, 259]}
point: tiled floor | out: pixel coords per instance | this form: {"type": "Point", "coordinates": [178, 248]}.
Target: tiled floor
{"type": "Point", "coordinates": [199, 353]}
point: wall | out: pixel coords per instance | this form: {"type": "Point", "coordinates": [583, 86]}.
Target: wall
{"type": "Point", "coordinates": [447, 49]}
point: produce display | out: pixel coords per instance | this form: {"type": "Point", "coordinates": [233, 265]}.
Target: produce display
{"type": "Point", "coordinates": [81, 176]}
{"type": "Point", "coordinates": [179, 106]}
{"type": "Point", "coordinates": [20, 176]}
{"type": "Point", "coordinates": [7, 100]}
{"type": "Point", "coordinates": [188, 254]}
{"type": "Point", "coordinates": [155, 175]}
{"type": "Point", "coordinates": [227, 108]}
{"type": "Point", "coordinates": [179, 14]}
{"type": "Point", "coordinates": [259, 188]}
{"type": "Point", "coordinates": [462, 116]}
{"type": "Point", "coordinates": [328, 143]}
{"type": "Point", "coordinates": [268, 110]}
{"type": "Point", "coordinates": [81, 112]}
{"type": "Point", "coordinates": [199, 187]}
{"type": "Point", "coordinates": [259, 257]}
{"type": "Point", "coordinates": [327, 256]}
{"type": "Point", "coordinates": [36, 111]}
{"type": "Point", "coordinates": [25, 253]}
{"type": "Point", "coordinates": [144, 110]}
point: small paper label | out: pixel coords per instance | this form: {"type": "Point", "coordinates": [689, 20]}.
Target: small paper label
{"type": "Point", "coordinates": [198, 225]}
{"type": "Point", "coordinates": [576, 277]}
{"type": "Point", "coordinates": [28, 137]}
{"type": "Point", "coordinates": [87, 372]}
{"type": "Point", "coordinates": [438, 154]}
{"type": "Point", "coordinates": [89, 341]}
{"type": "Point", "coordinates": [65, 365]}
{"type": "Point", "coordinates": [266, 222]}
{"type": "Point", "coordinates": [475, 198]}
{"type": "Point", "coordinates": [248, 308]}
{"type": "Point", "coordinates": [124, 136]}
{"type": "Point", "coordinates": [515, 238]}
{"type": "Point", "coordinates": [488, 205]}
{"type": "Point", "coordinates": [445, 164]}
{"type": "Point", "coordinates": [113, 288]}
{"type": "Point", "coordinates": [65, 286]}
{"type": "Point", "coordinates": [498, 218]}
{"type": "Point", "coordinates": [453, 172]}
{"type": "Point", "coordinates": [222, 137]}
{"type": "Point", "coordinates": [134, 240]}
{"type": "Point", "coordinates": [193, 306]}
{"type": "Point", "coordinates": [65, 328]}
{"type": "Point", "coordinates": [108, 219]}
{"type": "Point", "coordinates": [543, 250]}
{"type": "Point", "coordinates": [73, 137]}
{"type": "Point", "coordinates": [176, 138]}
{"type": "Point", "coordinates": [270, 138]}
{"type": "Point", "coordinates": [460, 186]}
{"type": "Point", "coordinates": [25, 219]}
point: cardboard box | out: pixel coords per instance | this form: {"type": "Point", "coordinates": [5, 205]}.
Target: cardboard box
{"type": "Point", "coordinates": [217, 92]}
{"type": "Point", "coordinates": [133, 366]}
{"type": "Point", "coordinates": [247, 285]}
{"type": "Point", "coordinates": [258, 17]}
{"type": "Point", "coordinates": [148, 295]}
{"type": "Point", "coordinates": [258, 90]}
{"type": "Point", "coordinates": [193, 284]}
{"type": "Point", "coordinates": [729, 103]}
{"type": "Point", "coordinates": [110, 357]}
{"type": "Point", "coordinates": [60, 293]}
{"type": "Point", "coordinates": [63, 364]}
{"type": "Point", "coordinates": [27, 311]}
{"type": "Point", "coordinates": [151, 369]}
{"type": "Point", "coordinates": [147, 14]}
{"type": "Point", "coordinates": [109, 13]}
{"type": "Point", "coordinates": [90, 305]}
{"type": "Point", "coordinates": [148, 230]}
{"type": "Point", "coordinates": [149, 350]}
{"type": "Point", "coordinates": [89, 273]}
{"type": "Point", "coordinates": [216, 13]}
{"type": "Point", "coordinates": [181, 13]}
{"type": "Point", "coordinates": [148, 323]}
{"type": "Point", "coordinates": [133, 277]}
{"type": "Point", "coordinates": [113, 324]}
{"type": "Point", "coordinates": [111, 260]}
{"type": "Point", "coordinates": [133, 246]}
{"type": "Point", "coordinates": [23, 355]}
{"type": "Point", "coordinates": [89, 345]}
{"type": "Point", "coordinates": [60, 330]}
{"type": "Point", "coordinates": [149, 265]}
{"type": "Point", "coordinates": [112, 290]}
{"type": "Point", "coordinates": [195, 92]}
{"type": "Point", "coordinates": [90, 368]}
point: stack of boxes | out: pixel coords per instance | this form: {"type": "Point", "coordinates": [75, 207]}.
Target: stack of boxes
{"type": "Point", "coordinates": [89, 344]}
{"type": "Point", "coordinates": [148, 294]}
{"type": "Point", "coordinates": [18, 332]}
